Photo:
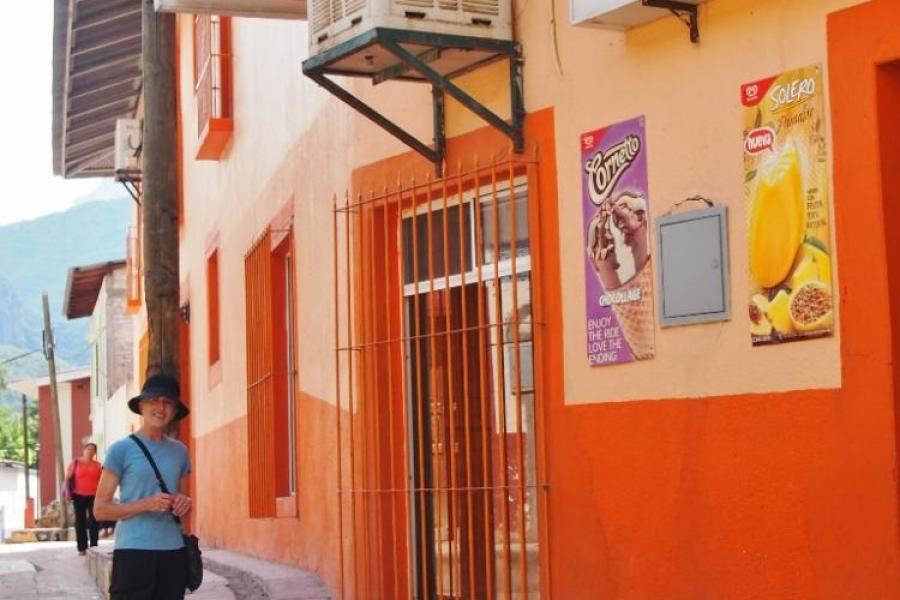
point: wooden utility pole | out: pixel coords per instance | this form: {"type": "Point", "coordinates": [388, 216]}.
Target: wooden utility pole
{"type": "Point", "coordinates": [54, 407]}
{"type": "Point", "coordinates": [160, 191]}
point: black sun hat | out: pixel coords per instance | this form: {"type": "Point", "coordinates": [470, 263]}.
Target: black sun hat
{"type": "Point", "coordinates": [160, 385]}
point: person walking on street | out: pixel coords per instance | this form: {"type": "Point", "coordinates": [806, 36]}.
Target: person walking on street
{"type": "Point", "coordinates": [84, 474]}
{"type": "Point", "coordinates": [149, 559]}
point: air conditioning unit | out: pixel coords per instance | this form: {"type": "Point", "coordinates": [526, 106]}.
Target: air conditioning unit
{"type": "Point", "coordinates": [128, 142]}
{"type": "Point", "coordinates": [279, 9]}
{"type": "Point", "coordinates": [332, 22]}
{"type": "Point", "coordinates": [623, 14]}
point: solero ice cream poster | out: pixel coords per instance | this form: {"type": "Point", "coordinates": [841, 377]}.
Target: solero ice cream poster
{"type": "Point", "coordinates": [786, 193]}
{"type": "Point", "coordinates": [618, 281]}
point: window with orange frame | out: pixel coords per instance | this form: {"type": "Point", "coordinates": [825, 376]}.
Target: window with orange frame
{"type": "Point", "coordinates": [213, 85]}
{"type": "Point", "coordinates": [271, 375]}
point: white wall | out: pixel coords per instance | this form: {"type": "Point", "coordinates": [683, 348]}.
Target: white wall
{"type": "Point", "coordinates": [12, 496]}
{"type": "Point", "coordinates": [119, 420]}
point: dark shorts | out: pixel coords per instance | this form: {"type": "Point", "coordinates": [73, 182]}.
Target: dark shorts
{"type": "Point", "coordinates": [148, 575]}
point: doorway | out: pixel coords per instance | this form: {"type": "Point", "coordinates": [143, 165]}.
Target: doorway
{"type": "Point", "coordinates": [470, 396]}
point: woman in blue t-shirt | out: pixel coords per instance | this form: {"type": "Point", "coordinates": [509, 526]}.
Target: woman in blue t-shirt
{"type": "Point", "coordinates": [149, 560]}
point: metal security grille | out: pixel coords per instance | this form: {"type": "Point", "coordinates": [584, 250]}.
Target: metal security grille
{"type": "Point", "coordinates": [260, 378]}
{"type": "Point", "coordinates": [436, 388]}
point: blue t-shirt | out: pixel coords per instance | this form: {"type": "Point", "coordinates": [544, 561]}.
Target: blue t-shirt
{"type": "Point", "coordinates": [147, 530]}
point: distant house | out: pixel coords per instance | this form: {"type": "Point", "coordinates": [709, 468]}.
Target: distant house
{"type": "Point", "coordinates": [73, 389]}
{"type": "Point", "coordinates": [12, 496]}
{"type": "Point", "coordinates": [99, 291]}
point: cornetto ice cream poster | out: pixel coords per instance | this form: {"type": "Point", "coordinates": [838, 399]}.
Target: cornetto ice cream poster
{"type": "Point", "coordinates": [618, 281]}
{"type": "Point", "coordinates": [786, 191]}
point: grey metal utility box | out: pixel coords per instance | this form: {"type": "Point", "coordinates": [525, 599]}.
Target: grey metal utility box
{"type": "Point", "coordinates": [693, 267]}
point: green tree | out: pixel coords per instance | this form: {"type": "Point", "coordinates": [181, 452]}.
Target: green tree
{"type": "Point", "coordinates": [12, 442]}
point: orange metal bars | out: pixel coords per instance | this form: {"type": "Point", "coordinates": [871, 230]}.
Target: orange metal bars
{"type": "Point", "coordinates": [260, 382]}
{"type": "Point", "coordinates": [436, 388]}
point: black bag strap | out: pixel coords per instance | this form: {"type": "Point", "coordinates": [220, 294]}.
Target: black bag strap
{"type": "Point", "coordinates": [159, 479]}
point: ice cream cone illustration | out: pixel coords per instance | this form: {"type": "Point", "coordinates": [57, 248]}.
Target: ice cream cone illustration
{"type": "Point", "coordinates": [618, 248]}
{"type": "Point", "coordinates": [636, 317]}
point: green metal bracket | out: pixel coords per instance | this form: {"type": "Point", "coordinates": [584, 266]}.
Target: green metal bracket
{"type": "Point", "coordinates": [683, 11]}
{"type": "Point", "coordinates": [396, 71]}
{"type": "Point", "coordinates": [319, 67]}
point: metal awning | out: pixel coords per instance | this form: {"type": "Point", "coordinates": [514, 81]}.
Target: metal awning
{"type": "Point", "coordinates": [276, 9]}
{"type": "Point", "coordinates": [96, 80]}
{"type": "Point", "coordinates": [83, 287]}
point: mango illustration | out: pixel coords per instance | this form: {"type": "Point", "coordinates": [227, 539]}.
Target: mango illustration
{"type": "Point", "coordinates": [812, 264]}
{"type": "Point", "coordinates": [778, 219]}
{"type": "Point", "coordinates": [779, 313]}
{"type": "Point", "coordinates": [806, 270]}
{"type": "Point", "coordinates": [811, 308]}
{"type": "Point", "coordinates": [759, 322]}
{"type": "Point", "coordinates": [822, 260]}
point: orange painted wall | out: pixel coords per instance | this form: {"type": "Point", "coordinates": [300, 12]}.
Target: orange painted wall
{"type": "Point", "coordinates": [311, 538]}
{"type": "Point", "coordinates": [75, 410]}
{"type": "Point", "coordinates": [786, 495]}
{"type": "Point", "coordinates": [47, 451]}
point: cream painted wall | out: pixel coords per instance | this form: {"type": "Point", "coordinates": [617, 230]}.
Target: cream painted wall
{"type": "Point", "coordinates": [292, 140]}
{"type": "Point", "coordinates": [118, 419]}
{"type": "Point", "coordinates": [64, 391]}
{"type": "Point", "coordinates": [98, 348]}
{"type": "Point", "coordinates": [690, 97]}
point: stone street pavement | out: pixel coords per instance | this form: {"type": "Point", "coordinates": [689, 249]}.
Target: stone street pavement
{"type": "Point", "coordinates": [45, 570]}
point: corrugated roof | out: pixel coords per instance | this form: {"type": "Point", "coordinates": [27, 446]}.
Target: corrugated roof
{"type": "Point", "coordinates": [83, 287]}
{"type": "Point", "coordinates": [96, 80]}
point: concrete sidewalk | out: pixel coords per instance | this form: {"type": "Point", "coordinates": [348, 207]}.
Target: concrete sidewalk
{"type": "Point", "coordinates": [45, 571]}
{"type": "Point", "coordinates": [230, 576]}
{"type": "Point", "coordinates": [55, 571]}
{"type": "Point", "coordinates": [254, 579]}
{"type": "Point", "coordinates": [99, 564]}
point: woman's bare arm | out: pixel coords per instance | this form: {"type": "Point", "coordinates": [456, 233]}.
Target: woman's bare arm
{"type": "Point", "coordinates": [105, 509]}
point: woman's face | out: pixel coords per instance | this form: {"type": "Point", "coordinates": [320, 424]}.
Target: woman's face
{"type": "Point", "coordinates": [158, 412]}
{"type": "Point", "coordinates": [89, 452]}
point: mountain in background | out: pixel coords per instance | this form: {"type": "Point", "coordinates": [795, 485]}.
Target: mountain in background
{"type": "Point", "coordinates": [107, 189]}
{"type": "Point", "coordinates": [36, 255]}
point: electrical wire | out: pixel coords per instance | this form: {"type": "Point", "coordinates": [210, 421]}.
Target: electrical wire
{"type": "Point", "coordinates": [553, 29]}
{"type": "Point", "coordinates": [14, 358]}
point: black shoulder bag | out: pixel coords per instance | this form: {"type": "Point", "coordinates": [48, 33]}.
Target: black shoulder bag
{"type": "Point", "coordinates": [191, 543]}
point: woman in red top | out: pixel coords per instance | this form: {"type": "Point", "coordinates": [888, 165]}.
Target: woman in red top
{"type": "Point", "coordinates": [85, 474]}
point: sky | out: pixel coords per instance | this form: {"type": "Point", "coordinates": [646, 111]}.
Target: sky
{"type": "Point", "coordinates": [28, 187]}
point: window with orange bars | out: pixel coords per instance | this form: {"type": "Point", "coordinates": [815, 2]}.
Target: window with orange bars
{"type": "Point", "coordinates": [134, 273]}
{"type": "Point", "coordinates": [437, 388]}
{"type": "Point", "coordinates": [213, 85]}
{"type": "Point", "coordinates": [271, 375]}
{"type": "Point", "coordinates": [212, 306]}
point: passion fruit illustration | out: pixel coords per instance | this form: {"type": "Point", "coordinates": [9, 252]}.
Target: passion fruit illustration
{"type": "Point", "coordinates": [811, 308]}
{"type": "Point", "coordinates": [759, 322]}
